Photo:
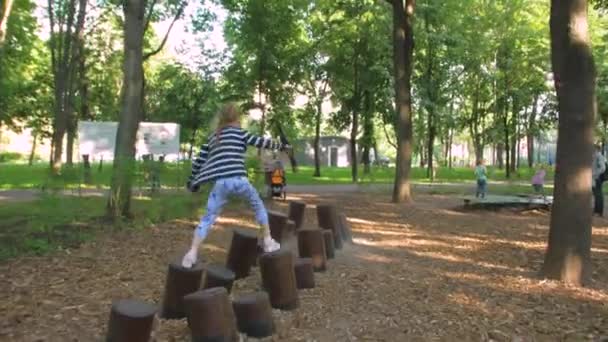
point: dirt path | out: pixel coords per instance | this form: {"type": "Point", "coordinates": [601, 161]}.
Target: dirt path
{"type": "Point", "coordinates": [415, 273]}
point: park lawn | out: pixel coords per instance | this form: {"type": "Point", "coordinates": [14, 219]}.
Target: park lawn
{"type": "Point", "coordinates": [22, 176]}
{"type": "Point", "coordinates": [51, 222]}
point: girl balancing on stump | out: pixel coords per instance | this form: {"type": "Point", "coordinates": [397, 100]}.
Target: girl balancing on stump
{"type": "Point", "coordinates": [222, 161]}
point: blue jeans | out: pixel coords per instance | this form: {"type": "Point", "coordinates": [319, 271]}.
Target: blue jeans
{"type": "Point", "coordinates": [481, 188]}
{"type": "Point", "coordinates": [218, 197]}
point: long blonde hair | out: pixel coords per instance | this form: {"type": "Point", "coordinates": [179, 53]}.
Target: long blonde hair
{"type": "Point", "coordinates": [228, 114]}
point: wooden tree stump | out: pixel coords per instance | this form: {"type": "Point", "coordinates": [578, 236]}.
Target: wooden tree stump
{"type": "Point", "coordinates": [296, 213]}
{"type": "Point", "coordinates": [278, 224]}
{"type": "Point", "coordinates": [210, 316]}
{"type": "Point", "coordinates": [345, 230]}
{"type": "Point", "coordinates": [217, 275]}
{"type": "Point", "coordinates": [328, 239]}
{"type": "Point", "coordinates": [311, 245]}
{"type": "Point", "coordinates": [130, 321]}
{"type": "Point", "coordinates": [243, 252]}
{"type": "Point", "coordinates": [180, 282]}
{"type": "Point", "coordinates": [328, 219]}
{"type": "Point", "coordinates": [279, 279]}
{"type": "Point", "coordinates": [254, 314]}
{"type": "Point", "coordinates": [305, 276]}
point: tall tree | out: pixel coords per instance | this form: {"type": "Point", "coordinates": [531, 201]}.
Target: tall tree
{"type": "Point", "coordinates": [119, 201]}
{"type": "Point", "coordinates": [569, 245]}
{"type": "Point", "coordinates": [66, 19]}
{"type": "Point", "coordinates": [5, 12]}
{"type": "Point", "coordinates": [403, 53]}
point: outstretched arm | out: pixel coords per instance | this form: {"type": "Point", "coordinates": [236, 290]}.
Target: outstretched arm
{"type": "Point", "coordinates": [200, 159]}
{"type": "Point", "coordinates": [261, 142]}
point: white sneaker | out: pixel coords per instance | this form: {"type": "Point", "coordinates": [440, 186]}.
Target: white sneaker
{"type": "Point", "coordinates": [270, 245]}
{"type": "Point", "coordinates": [189, 259]}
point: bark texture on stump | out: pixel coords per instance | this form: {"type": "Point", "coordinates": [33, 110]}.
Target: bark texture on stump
{"type": "Point", "coordinates": [312, 245]}
{"type": "Point", "coordinates": [347, 233]}
{"type": "Point", "coordinates": [218, 276]}
{"type": "Point", "coordinates": [130, 321]}
{"type": "Point", "coordinates": [180, 282]}
{"type": "Point", "coordinates": [254, 314]}
{"type": "Point", "coordinates": [328, 239]}
{"type": "Point", "coordinates": [279, 279]}
{"type": "Point", "coordinates": [278, 224]}
{"type": "Point", "coordinates": [243, 252]}
{"type": "Point", "coordinates": [328, 219]}
{"type": "Point", "coordinates": [305, 276]}
{"type": "Point", "coordinates": [210, 316]}
{"type": "Point", "coordinates": [296, 213]}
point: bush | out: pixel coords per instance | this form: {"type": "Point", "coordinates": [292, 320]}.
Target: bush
{"type": "Point", "coordinates": [6, 157]}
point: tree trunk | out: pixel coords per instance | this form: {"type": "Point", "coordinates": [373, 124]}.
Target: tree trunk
{"type": "Point", "coordinates": [500, 155]}
{"type": "Point", "coordinates": [7, 5]}
{"type": "Point", "coordinates": [119, 200]}
{"type": "Point", "coordinates": [354, 131]}
{"type": "Point", "coordinates": [353, 145]}
{"type": "Point", "coordinates": [192, 138]}
{"type": "Point", "coordinates": [71, 130]}
{"type": "Point", "coordinates": [531, 131]}
{"type": "Point", "coordinates": [403, 49]}
{"type": "Point", "coordinates": [317, 139]}
{"type": "Point", "coordinates": [450, 141]}
{"type": "Point", "coordinates": [507, 145]}
{"type": "Point", "coordinates": [64, 61]}
{"type": "Point", "coordinates": [30, 162]}
{"type": "Point", "coordinates": [568, 255]}
{"type": "Point", "coordinates": [530, 143]}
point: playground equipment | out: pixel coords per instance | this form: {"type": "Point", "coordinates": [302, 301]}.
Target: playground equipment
{"type": "Point", "coordinates": [296, 213]}
{"type": "Point", "coordinates": [312, 245]}
{"type": "Point", "coordinates": [180, 282]}
{"type": "Point", "coordinates": [279, 279]}
{"type": "Point", "coordinates": [210, 314]}
{"type": "Point", "coordinates": [243, 252]}
{"type": "Point", "coordinates": [218, 276]}
{"type": "Point", "coordinates": [254, 314]}
{"type": "Point", "coordinates": [305, 276]}
{"type": "Point", "coordinates": [279, 230]}
{"type": "Point", "coordinates": [328, 239]}
{"type": "Point", "coordinates": [130, 321]}
{"type": "Point", "coordinates": [328, 219]}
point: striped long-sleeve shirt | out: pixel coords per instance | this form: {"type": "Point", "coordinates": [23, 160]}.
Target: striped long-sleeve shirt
{"type": "Point", "coordinates": [223, 155]}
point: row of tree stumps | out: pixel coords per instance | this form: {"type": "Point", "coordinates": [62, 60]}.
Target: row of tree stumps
{"type": "Point", "coordinates": [211, 315]}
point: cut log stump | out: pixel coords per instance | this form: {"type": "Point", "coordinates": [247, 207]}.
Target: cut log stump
{"type": "Point", "coordinates": [243, 252]}
{"type": "Point", "coordinates": [305, 276]}
{"type": "Point", "coordinates": [279, 279]}
{"type": "Point", "coordinates": [311, 245]}
{"type": "Point", "coordinates": [328, 239]}
{"type": "Point", "coordinates": [328, 219]}
{"type": "Point", "coordinates": [210, 316]}
{"type": "Point", "coordinates": [130, 321]}
{"type": "Point", "coordinates": [180, 282]}
{"type": "Point", "coordinates": [254, 314]}
{"type": "Point", "coordinates": [217, 275]}
{"type": "Point", "coordinates": [296, 213]}
{"type": "Point", "coordinates": [345, 230]}
{"type": "Point", "coordinates": [278, 225]}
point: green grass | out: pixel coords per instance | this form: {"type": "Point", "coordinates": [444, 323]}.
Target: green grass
{"type": "Point", "coordinates": [21, 176]}
{"type": "Point", "coordinates": [334, 175]}
{"type": "Point", "coordinates": [52, 223]}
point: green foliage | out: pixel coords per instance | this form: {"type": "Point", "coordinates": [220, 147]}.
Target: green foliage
{"type": "Point", "coordinates": [17, 61]}
{"type": "Point", "coordinates": [176, 94]}
{"type": "Point", "coordinates": [53, 222]}
{"type": "Point", "coordinates": [7, 157]}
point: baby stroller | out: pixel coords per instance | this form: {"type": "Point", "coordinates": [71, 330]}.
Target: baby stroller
{"type": "Point", "coordinates": [277, 182]}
